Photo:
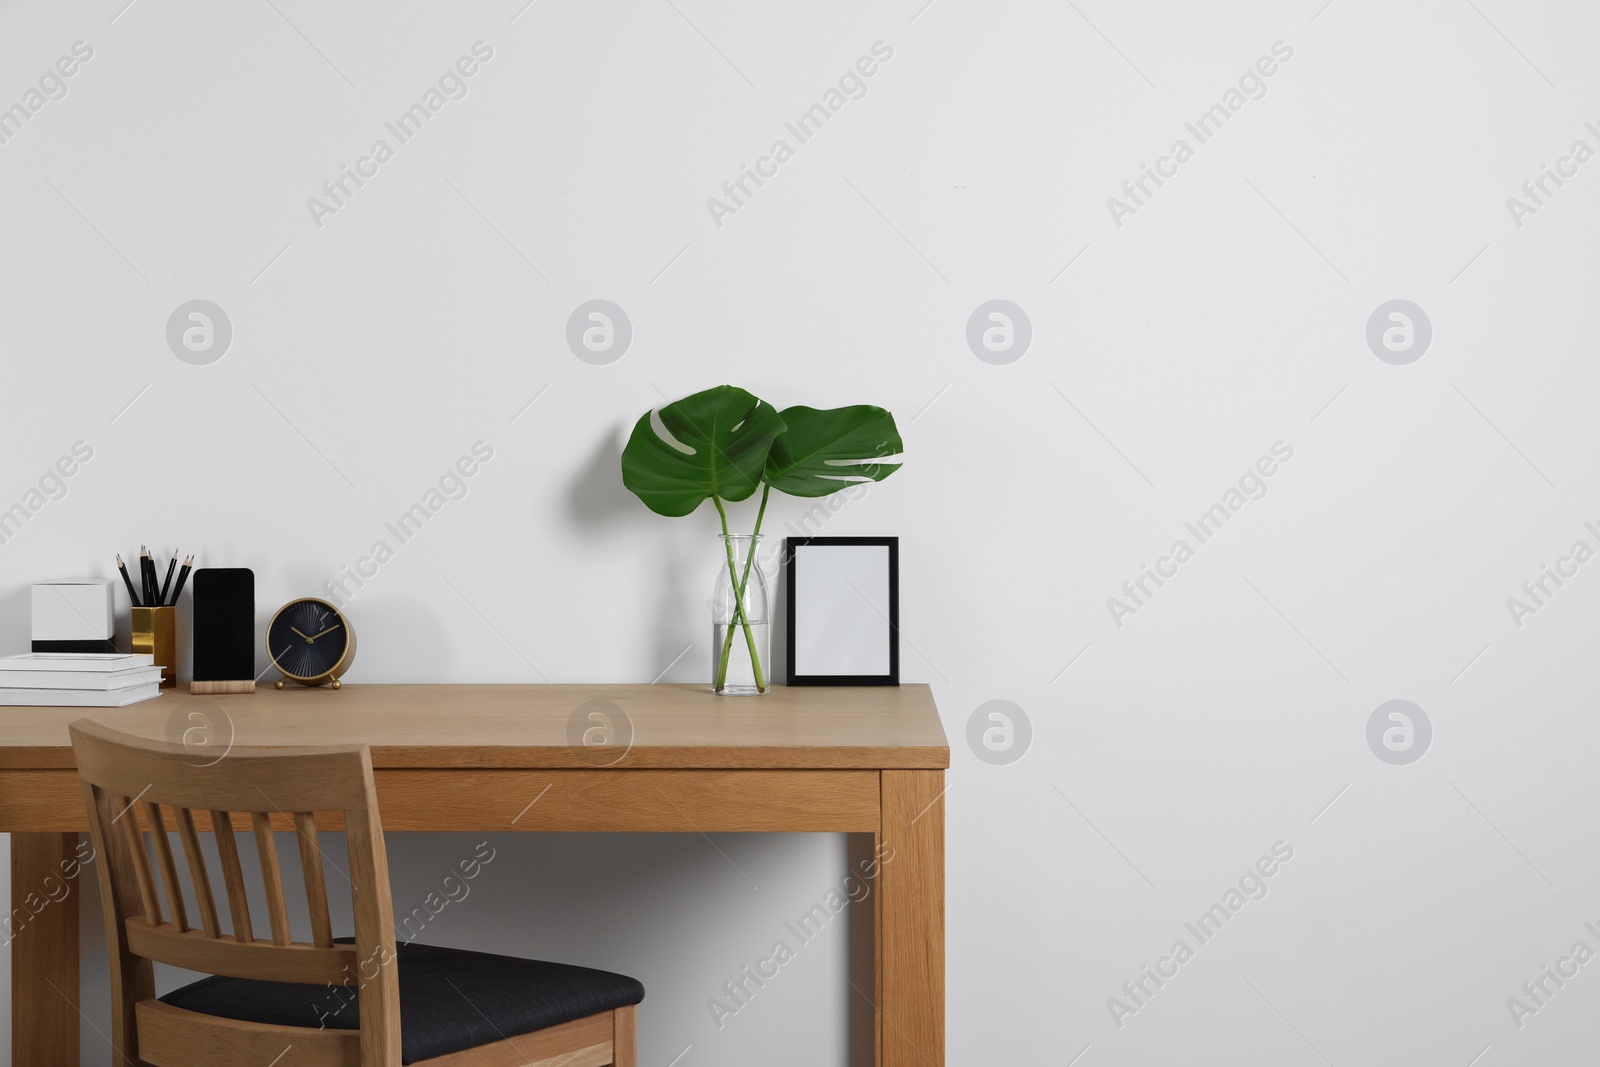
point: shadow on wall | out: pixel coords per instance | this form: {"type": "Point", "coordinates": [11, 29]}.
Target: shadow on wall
{"type": "Point", "coordinates": [598, 502]}
{"type": "Point", "coordinates": [16, 608]}
{"type": "Point", "coordinates": [779, 592]}
{"type": "Point", "coordinates": [596, 497]}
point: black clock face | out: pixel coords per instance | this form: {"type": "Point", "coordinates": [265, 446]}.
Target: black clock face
{"type": "Point", "coordinates": [307, 639]}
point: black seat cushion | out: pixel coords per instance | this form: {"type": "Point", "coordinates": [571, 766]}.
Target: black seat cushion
{"type": "Point", "coordinates": [450, 999]}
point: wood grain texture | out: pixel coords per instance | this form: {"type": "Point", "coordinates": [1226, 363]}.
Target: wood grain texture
{"type": "Point", "coordinates": [263, 960]}
{"type": "Point", "coordinates": [619, 800]}
{"type": "Point", "coordinates": [625, 1037]}
{"type": "Point", "coordinates": [582, 1042]}
{"type": "Point", "coordinates": [199, 876]}
{"type": "Point", "coordinates": [526, 726]}
{"type": "Point", "coordinates": [177, 912]}
{"type": "Point", "coordinates": [173, 1037]}
{"type": "Point", "coordinates": [219, 688]}
{"type": "Point", "coordinates": [513, 1053]}
{"type": "Point", "coordinates": [138, 855]}
{"type": "Point", "coordinates": [132, 978]}
{"type": "Point", "coordinates": [232, 875]}
{"type": "Point", "coordinates": [609, 799]}
{"type": "Point", "coordinates": [43, 931]}
{"type": "Point", "coordinates": [271, 878]}
{"type": "Point", "coordinates": [305, 826]}
{"type": "Point", "coordinates": [911, 882]}
{"type": "Point", "coordinates": [42, 801]}
{"type": "Point", "coordinates": [282, 779]}
{"type": "Point", "coordinates": [378, 966]}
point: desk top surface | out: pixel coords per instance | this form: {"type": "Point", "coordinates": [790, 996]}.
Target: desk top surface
{"type": "Point", "coordinates": [529, 726]}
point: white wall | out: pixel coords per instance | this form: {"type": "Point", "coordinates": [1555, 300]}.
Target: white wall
{"type": "Point", "coordinates": [1227, 313]}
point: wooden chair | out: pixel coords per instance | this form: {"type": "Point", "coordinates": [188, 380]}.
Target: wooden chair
{"type": "Point", "coordinates": [325, 1003]}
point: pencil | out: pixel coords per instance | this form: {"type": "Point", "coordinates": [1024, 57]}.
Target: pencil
{"type": "Point", "coordinates": [133, 597]}
{"type": "Point", "coordinates": [147, 564]}
{"type": "Point", "coordinates": [167, 585]}
{"type": "Point", "coordinates": [183, 576]}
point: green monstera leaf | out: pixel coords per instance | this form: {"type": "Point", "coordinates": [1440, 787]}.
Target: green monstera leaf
{"type": "Point", "coordinates": [718, 447]}
{"type": "Point", "coordinates": [822, 452]}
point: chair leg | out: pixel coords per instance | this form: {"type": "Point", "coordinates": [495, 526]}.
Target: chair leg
{"type": "Point", "coordinates": [624, 1038]}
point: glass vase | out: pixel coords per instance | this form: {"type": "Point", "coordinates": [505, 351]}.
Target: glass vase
{"type": "Point", "coordinates": [741, 619]}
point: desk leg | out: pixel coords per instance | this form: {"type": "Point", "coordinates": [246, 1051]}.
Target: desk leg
{"type": "Point", "coordinates": [43, 932]}
{"type": "Point", "coordinates": [911, 891]}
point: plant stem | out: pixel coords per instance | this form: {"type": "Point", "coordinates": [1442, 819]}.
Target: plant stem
{"type": "Point", "coordinates": [738, 610]}
{"type": "Point", "coordinates": [738, 607]}
{"type": "Point", "coordinates": [744, 582]}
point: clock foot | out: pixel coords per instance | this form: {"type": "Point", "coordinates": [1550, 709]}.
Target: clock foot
{"type": "Point", "coordinates": [338, 684]}
{"type": "Point", "coordinates": [278, 684]}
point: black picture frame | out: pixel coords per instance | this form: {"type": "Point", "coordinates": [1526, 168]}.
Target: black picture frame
{"type": "Point", "coordinates": [790, 560]}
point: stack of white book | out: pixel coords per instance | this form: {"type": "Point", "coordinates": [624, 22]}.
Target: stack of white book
{"type": "Point", "coordinates": [69, 680]}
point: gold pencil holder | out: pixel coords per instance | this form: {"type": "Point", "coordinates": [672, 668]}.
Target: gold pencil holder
{"type": "Point", "coordinates": [155, 633]}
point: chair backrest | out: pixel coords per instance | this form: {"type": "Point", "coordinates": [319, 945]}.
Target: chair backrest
{"type": "Point", "coordinates": [137, 791]}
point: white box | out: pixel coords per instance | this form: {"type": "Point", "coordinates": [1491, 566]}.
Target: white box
{"type": "Point", "coordinates": [74, 610]}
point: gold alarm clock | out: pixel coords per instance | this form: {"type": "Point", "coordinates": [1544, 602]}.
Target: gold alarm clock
{"type": "Point", "coordinates": [311, 642]}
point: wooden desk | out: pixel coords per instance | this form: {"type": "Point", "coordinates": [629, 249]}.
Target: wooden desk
{"type": "Point", "coordinates": [471, 758]}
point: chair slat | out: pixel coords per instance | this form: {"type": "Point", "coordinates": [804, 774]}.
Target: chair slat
{"type": "Point", "coordinates": [305, 824]}
{"type": "Point", "coordinates": [169, 869]}
{"type": "Point", "coordinates": [232, 876]}
{"type": "Point", "coordinates": [259, 960]}
{"type": "Point", "coordinates": [267, 849]}
{"type": "Point", "coordinates": [129, 818]}
{"type": "Point", "coordinates": [198, 874]}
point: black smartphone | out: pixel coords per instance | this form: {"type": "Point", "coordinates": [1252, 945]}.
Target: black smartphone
{"type": "Point", "coordinates": [224, 624]}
